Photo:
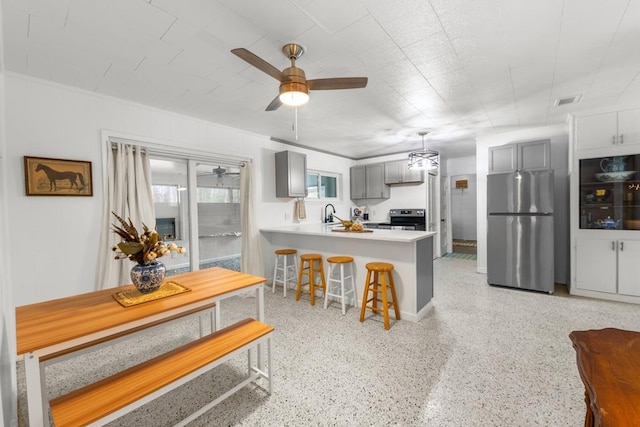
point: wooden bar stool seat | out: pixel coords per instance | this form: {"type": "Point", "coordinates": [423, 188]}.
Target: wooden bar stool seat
{"type": "Point", "coordinates": [379, 287]}
{"type": "Point", "coordinates": [334, 263]}
{"type": "Point", "coordinates": [311, 266]}
{"type": "Point", "coordinates": [288, 268]}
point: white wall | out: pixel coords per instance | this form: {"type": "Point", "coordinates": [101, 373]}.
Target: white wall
{"type": "Point", "coordinates": [461, 166]}
{"type": "Point", "coordinates": [559, 162]}
{"type": "Point", "coordinates": [8, 387]}
{"type": "Point", "coordinates": [54, 240]}
{"type": "Point", "coordinates": [464, 214]}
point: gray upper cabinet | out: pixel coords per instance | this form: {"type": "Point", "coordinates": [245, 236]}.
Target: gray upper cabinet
{"type": "Point", "coordinates": [291, 174]}
{"type": "Point", "coordinates": [358, 181]}
{"type": "Point", "coordinates": [529, 156]}
{"type": "Point", "coordinates": [398, 172]}
{"type": "Point", "coordinates": [367, 182]}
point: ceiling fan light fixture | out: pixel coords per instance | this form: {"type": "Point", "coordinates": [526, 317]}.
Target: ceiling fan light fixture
{"type": "Point", "coordinates": [294, 94]}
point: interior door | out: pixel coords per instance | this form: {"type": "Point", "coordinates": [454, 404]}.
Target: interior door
{"type": "Point", "coordinates": [433, 212]}
{"type": "Point", "coordinates": [445, 243]}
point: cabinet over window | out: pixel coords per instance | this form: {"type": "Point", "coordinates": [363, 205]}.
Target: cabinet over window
{"type": "Point", "coordinates": [291, 174]}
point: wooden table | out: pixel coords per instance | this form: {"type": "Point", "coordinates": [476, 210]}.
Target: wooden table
{"type": "Point", "coordinates": [609, 365]}
{"type": "Point", "coordinates": [55, 328]}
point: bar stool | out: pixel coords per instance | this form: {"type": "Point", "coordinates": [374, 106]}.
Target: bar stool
{"type": "Point", "coordinates": [382, 281]}
{"type": "Point", "coordinates": [311, 265]}
{"type": "Point", "coordinates": [283, 255]}
{"type": "Point", "coordinates": [334, 262]}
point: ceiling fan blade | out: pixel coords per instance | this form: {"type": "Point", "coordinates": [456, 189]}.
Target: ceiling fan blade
{"type": "Point", "coordinates": [274, 105]}
{"type": "Point", "coordinates": [337, 83]}
{"type": "Point", "coordinates": [260, 64]}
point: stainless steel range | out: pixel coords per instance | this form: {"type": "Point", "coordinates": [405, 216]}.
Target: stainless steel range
{"type": "Point", "coordinates": [404, 219]}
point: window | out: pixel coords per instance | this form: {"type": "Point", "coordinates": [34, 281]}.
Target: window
{"type": "Point", "coordinates": [165, 194]}
{"type": "Point", "coordinates": [322, 185]}
{"type": "Point", "coordinates": [218, 195]}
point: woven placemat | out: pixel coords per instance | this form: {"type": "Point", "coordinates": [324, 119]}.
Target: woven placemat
{"type": "Point", "coordinates": [135, 297]}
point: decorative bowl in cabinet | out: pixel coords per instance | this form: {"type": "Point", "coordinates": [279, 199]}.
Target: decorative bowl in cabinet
{"type": "Point", "coordinates": [615, 176]}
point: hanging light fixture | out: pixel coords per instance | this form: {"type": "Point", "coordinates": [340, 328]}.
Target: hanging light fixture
{"type": "Point", "coordinates": [424, 159]}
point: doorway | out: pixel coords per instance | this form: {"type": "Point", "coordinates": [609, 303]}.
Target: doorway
{"type": "Point", "coordinates": [464, 214]}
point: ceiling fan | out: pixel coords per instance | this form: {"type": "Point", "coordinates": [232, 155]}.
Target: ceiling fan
{"type": "Point", "coordinates": [220, 172]}
{"type": "Point", "coordinates": [294, 87]}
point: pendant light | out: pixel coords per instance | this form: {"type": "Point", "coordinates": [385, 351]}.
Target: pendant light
{"type": "Point", "coordinates": [424, 159]}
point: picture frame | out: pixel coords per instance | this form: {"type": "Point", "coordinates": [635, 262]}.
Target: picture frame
{"type": "Point", "coordinates": [45, 176]}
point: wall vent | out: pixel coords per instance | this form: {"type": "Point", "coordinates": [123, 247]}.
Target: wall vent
{"type": "Point", "coordinates": [568, 100]}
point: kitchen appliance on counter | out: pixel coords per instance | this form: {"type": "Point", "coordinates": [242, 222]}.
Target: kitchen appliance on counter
{"type": "Point", "coordinates": [520, 230]}
{"type": "Point", "coordinates": [403, 219]}
{"type": "Point", "coordinates": [357, 212]}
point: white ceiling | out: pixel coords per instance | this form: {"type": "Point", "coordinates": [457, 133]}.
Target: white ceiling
{"type": "Point", "coordinates": [457, 68]}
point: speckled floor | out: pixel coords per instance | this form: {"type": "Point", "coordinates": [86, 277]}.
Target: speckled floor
{"type": "Point", "coordinates": [484, 356]}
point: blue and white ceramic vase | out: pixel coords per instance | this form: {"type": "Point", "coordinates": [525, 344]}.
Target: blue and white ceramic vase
{"type": "Point", "coordinates": [148, 277]}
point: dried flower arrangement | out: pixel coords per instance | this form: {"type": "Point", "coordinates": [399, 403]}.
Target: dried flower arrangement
{"type": "Point", "coordinates": [142, 247]}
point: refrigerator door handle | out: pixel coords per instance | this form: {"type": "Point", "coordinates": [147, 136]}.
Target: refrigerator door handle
{"type": "Point", "coordinates": [621, 246]}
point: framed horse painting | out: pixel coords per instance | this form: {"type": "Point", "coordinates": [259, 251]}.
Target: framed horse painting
{"type": "Point", "coordinates": [57, 177]}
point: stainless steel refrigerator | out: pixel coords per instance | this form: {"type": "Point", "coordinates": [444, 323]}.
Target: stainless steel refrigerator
{"type": "Point", "coordinates": [520, 230]}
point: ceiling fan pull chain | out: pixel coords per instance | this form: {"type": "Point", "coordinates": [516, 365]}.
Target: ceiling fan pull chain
{"type": "Point", "coordinates": [295, 126]}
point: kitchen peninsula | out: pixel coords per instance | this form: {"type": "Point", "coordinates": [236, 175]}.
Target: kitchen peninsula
{"type": "Point", "coordinates": [411, 253]}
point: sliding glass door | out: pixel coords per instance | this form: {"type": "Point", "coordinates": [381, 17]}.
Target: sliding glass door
{"type": "Point", "coordinates": [218, 215]}
{"type": "Point", "coordinates": [171, 203]}
{"type": "Point", "coordinates": [197, 206]}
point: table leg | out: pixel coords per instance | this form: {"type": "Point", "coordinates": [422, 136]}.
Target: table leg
{"type": "Point", "coordinates": [589, 420]}
{"type": "Point", "coordinates": [260, 316]}
{"type": "Point", "coordinates": [216, 317]}
{"type": "Point", "coordinates": [36, 391]}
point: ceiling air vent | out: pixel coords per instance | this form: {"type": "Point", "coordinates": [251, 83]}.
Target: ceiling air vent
{"type": "Point", "coordinates": [568, 100]}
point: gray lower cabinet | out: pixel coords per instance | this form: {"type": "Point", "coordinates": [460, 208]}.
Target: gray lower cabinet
{"type": "Point", "coordinates": [398, 172]}
{"type": "Point", "coordinates": [291, 174]}
{"type": "Point", "coordinates": [367, 182]}
{"type": "Point", "coordinates": [529, 156]}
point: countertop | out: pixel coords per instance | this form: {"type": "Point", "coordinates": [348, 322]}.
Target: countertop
{"type": "Point", "coordinates": [320, 229]}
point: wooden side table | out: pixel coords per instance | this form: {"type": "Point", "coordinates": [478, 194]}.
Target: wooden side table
{"type": "Point", "coordinates": [609, 365]}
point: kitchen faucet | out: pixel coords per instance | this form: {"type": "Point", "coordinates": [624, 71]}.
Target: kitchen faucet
{"type": "Point", "coordinates": [329, 218]}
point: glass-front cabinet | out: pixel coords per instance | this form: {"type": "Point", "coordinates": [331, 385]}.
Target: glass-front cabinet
{"type": "Point", "coordinates": [610, 193]}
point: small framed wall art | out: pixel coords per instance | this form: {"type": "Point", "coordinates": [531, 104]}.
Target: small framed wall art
{"type": "Point", "coordinates": [57, 177]}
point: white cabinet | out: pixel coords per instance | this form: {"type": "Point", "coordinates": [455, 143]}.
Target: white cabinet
{"type": "Point", "coordinates": [291, 174]}
{"type": "Point", "coordinates": [629, 267]}
{"type": "Point", "coordinates": [608, 265]}
{"type": "Point", "coordinates": [398, 172]}
{"type": "Point", "coordinates": [596, 264]}
{"type": "Point", "coordinates": [530, 156]}
{"type": "Point", "coordinates": [608, 129]}
{"type": "Point", "coordinates": [367, 182]}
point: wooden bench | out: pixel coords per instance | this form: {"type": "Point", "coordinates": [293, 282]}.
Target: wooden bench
{"type": "Point", "coordinates": [114, 396]}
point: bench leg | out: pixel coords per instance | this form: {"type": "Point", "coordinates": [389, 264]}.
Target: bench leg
{"type": "Point", "coordinates": [37, 400]}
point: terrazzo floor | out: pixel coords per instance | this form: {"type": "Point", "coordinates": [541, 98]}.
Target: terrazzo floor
{"type": "Point", "coordinates": [484, 356]}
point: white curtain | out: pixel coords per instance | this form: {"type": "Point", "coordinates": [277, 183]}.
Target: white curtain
{"type": "Point", "coordinates": [251, 257]}
{"type": "Point", "coordinates": [129, 195]}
